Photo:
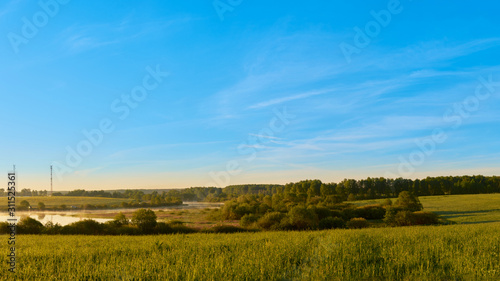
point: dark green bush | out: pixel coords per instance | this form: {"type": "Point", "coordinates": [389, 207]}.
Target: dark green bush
{"type": "Point", "coordinates": [270, 219]}
{"type": "Point", "coordinates": [348, 213]}
{"type": "Point", "coordinates": [323, 212]}
{"type": "Point", "coordinates": [404, 218]}
{"type": "Point", "coordinates": [248, 220]}
{"type": "Point", "coordinates": [85, 227]}
{"type": "Point", "coordinates": [224, 229]}
{"type": "Point", "coordinates": [425, 218]}
{"type": "Point", "coordinates": [28, 225]}
{"type": "Point", "coordinates": [357, 223]}
{"type": "Point", "coordinates": [371, 212]}
{"type": "Point", "coordinates": [301, 218]}
{"type": "Point", "coordinates": [331, 222]}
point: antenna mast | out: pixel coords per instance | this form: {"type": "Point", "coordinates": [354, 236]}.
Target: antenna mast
{"type": "Point", "coordinates": [50, 180]}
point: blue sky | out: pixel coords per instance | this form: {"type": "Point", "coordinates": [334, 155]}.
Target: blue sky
{"type": "Point", "coordinates": [202, 93]}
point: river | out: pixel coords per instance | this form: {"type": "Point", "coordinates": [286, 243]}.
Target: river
{"type": "Point", "coordinates": [68, 217]}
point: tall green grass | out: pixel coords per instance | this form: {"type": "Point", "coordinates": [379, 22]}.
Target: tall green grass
{"type": "Point", "coordinates": [455, 252]}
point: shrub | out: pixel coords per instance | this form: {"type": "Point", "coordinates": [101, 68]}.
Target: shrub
{"type": "Point", "coordinates": [331, 222]}
{"type": "Point", "coordinates": [285, 224]}
{"type": "Point", "coordinates": [41, 206]}
{"type": "Point", "coordinates": [128, 230]}
{"type": "Point", "coordinates": [4, 227]}
{"type": "Point", "coordinates": [335, 213]}
{"type": "Point", "coordinates": [302, 218]}
{"type": "Point", "coordinates": [333, 199]}
{"type": "Point", "coordinates": [180, 228]}
{"type": "Point", "coordinates": [371, 212]}
{"type": "Point", "coordinates": [270, 219]}
{"type": "Point", "coordinates": [28, 225]}
{"type": "Point", "coordinates": [357, 223]}
{"type": "Point", "coordinates": [51, 228]}
{"type": "Point", "coordinates": [163, 228]}
{"type": "Point", "coordinates": [224, 229]}
{"type": "Point", "coordinates": [85, 227]}
{"type": "Point", "coordinates": [348, 213]}
{"type": "Point", "coordinates": [404, 218]}
{"type": "Point", "coordinates": [248, 220]}
{"type": "Point", "coordinates": [425, 218]}
{"type": "Point", "coordinates": [322, 212]}
{"type": "Point", "coordinates": [390, 215]}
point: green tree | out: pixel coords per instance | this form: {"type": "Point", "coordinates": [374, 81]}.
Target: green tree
{"type": "Point", "coordinates": [41, 206]}
{"type": "Point", "coordinates": [408, 201]}
{"type": "Point", "coordinates": [302, 218]}
{"type": "Point", "coordinates": [28, 225]}
{"type": "Point", "coordinates": [120, 219]}
{"type": "Point", "coordinates": [24, 205]}
{"type": "Point", "coordinates": [144, 219]}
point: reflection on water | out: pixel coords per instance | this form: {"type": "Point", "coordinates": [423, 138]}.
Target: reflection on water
{"type": "Point", "coordinates": [67, 217]}
{"type": "Point", "coordinates": [44, 218]}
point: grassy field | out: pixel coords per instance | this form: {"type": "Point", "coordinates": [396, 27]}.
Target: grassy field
{"type": "Point", "coordinates": [467, 209]}
{"type": "Point", "coordinates": [51, 202]}
{"type": "Point", "coordinates": [469, 250]}
{"type": "Point", "coordinates": [454, 252]}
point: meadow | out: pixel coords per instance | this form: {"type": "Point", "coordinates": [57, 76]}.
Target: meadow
{"type": "Point", "coordinates": [57, 201]}
{"type": "Point", "coordinates": [469, 250]}
{"type": "Point", "coordinates": [454, 252]}
{"type": "Point", "coordinates": [467, 209]}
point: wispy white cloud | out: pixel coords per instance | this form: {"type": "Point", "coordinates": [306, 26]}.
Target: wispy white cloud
{"type": "Point", "coordinates": [290, 98]}
{"type": "Point", "coordinates": [265, 136]}
{"type": "Point", "coordinates": [78, 38]}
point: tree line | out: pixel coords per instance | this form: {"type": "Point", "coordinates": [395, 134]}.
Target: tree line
{"type": "Point", "coordinates": [347, 189]}
{"type": "Point", "coordinates": [371, 188]}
